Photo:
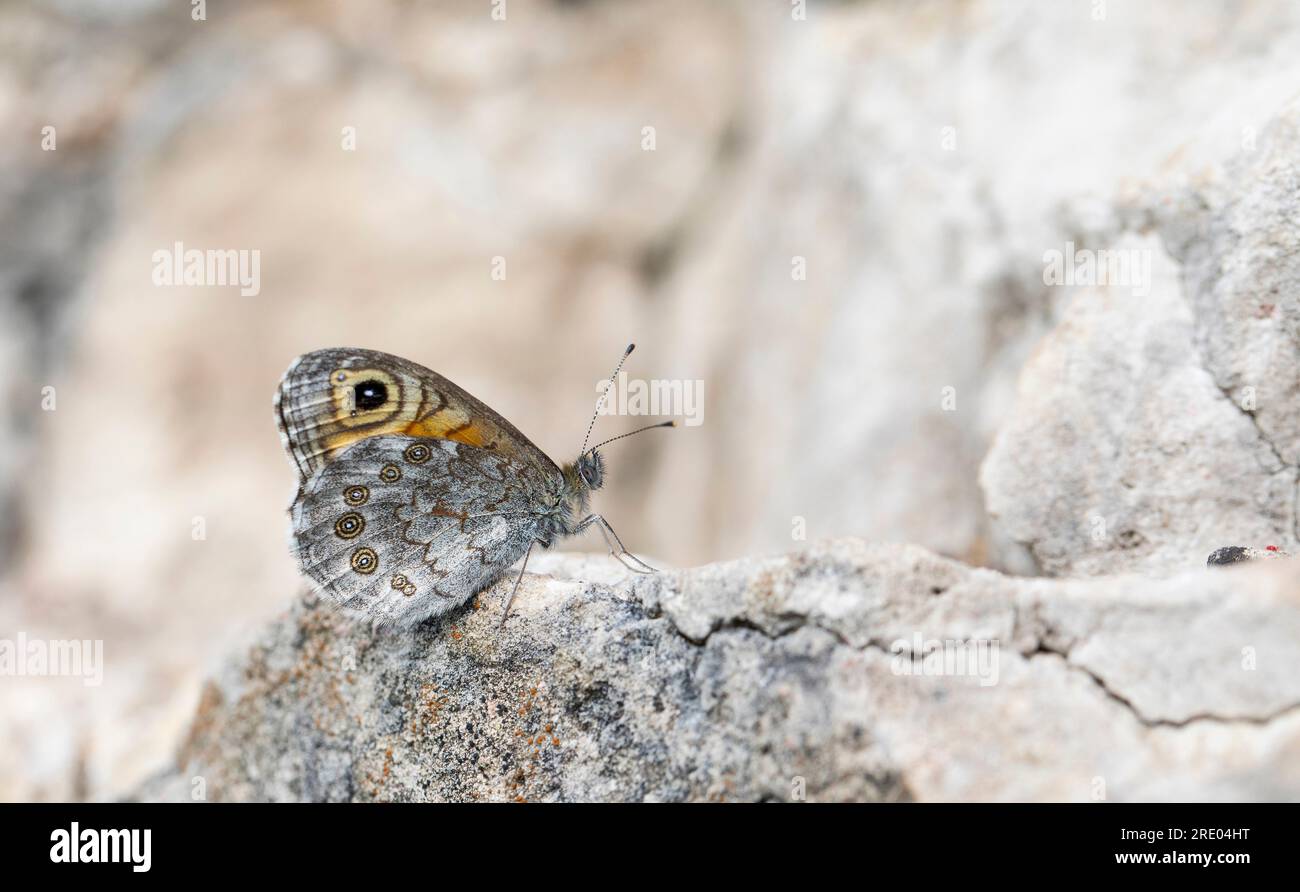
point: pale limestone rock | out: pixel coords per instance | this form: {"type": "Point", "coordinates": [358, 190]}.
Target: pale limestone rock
{"type": "Point", "coordinates": [761, 678]}
{"type": "Point", "coordinates": [1152, 428]}
{"type": "Point", "coordinates": [826, 138]}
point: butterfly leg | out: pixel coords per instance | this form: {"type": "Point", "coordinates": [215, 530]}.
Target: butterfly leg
{"type": "Point", "coordinates": [518, 579]}
{"type": "Point", "coordinates": [617, 553]}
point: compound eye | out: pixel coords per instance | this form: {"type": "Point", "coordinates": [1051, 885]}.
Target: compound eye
{"type": "Point", "coordinates": [589, 470]}
{"type": "Point", "coordinates": [370, 394]}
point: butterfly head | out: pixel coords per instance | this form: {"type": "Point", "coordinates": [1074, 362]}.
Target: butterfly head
{"type": "Point", "coordinates": [587, 474]}
{"type": "Point", "coordinates": [590, 468]}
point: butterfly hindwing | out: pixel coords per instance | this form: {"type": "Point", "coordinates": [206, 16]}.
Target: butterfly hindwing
{"type": "Point", "coordinates": [405, 528]}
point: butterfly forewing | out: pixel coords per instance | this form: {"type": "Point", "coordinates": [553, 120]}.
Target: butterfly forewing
{"type": "Point", "coordinates": [331, 399]}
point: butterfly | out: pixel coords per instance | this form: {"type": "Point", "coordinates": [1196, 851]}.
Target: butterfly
{"type": "Point", "coordinates": [413, 496]}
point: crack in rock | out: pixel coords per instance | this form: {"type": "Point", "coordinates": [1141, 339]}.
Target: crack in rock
{"type": "Point", "coordinates": [627, 690]}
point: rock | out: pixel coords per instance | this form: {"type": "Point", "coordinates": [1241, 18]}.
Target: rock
{"type": "Point", "coordinates": [1235, 554]}
{"type": "Point", "coordinates": [848, 211]}
{"type": "Point", "coordinates": [1152, 426]}
{"type": "Point", "coordinates": [773, 679]}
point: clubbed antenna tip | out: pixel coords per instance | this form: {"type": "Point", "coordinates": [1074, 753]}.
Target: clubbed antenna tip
{"type": "Point", "coordinates": [600, 402]}
{"type": "Point", "coordinates": [648, 427]}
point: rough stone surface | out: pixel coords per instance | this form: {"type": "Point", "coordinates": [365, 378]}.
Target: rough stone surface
{"type": "Point", "coordinates": [750, 680]}
{"type": "Point", "coordinates": [919, 158]}
{"type": "Point", "coordinates": [1150, 428]}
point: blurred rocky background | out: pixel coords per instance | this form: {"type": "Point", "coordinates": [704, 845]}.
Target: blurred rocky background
{"type": "Point", "coordinates": [838, 221]}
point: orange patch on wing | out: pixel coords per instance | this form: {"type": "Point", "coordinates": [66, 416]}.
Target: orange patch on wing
{"type": "Point", "coordinates": [470, 436]}
{"type": "Point", "coordinates": [449, 428]}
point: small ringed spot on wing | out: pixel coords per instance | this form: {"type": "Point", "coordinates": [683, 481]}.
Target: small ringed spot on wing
{"type": "Point", "coordinates": [364, 560]}
{"type": "Point", "coordinates": [349, 526]}
{"type": "Point", "coordinates": [417, 453]}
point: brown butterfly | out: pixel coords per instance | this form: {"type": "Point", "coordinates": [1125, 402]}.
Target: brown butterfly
{"type": "Point", "coordinates": [413, 495]}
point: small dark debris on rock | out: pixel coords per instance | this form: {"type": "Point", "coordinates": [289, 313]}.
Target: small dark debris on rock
{"type": "Point", "coordinates": [1235, 554]}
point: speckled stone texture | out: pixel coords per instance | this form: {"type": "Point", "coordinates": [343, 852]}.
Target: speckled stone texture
{"type": "Point", "coordinates": [915, 160]}
{"type": "Point", "coordinates": [1152, 428]}
{"type": "Point", "coordinates": [772, 679]}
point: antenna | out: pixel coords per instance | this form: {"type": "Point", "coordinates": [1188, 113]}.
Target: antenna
{"type": "Point", "coordinates": [600, 402]}
{"type": "Point", "coordinates": [648, 427]}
